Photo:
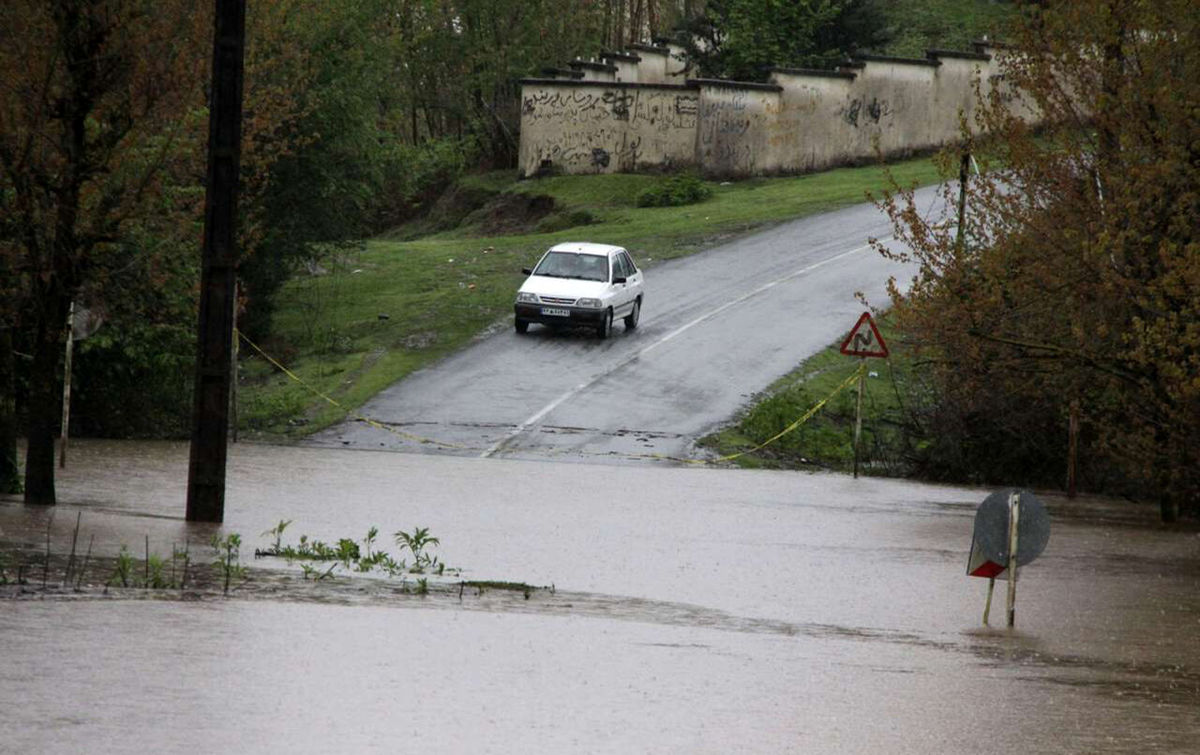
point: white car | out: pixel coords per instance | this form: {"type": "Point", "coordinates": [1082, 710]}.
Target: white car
{"type": "Point", "coordinates": [579, 284]}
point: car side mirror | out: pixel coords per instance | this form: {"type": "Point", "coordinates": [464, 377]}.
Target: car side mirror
{"type": "Point", "coordinates": [527, 271]}
{"type": "Point", "coordinates": [618, 279]}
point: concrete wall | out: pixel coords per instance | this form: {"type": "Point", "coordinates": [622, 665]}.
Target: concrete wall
{"type": "Point", "coordinates": [733, 130]}
{"type": "Point", "coordinates": [803, 120]}
{"type": "Point", "coordinates": [606, 127]}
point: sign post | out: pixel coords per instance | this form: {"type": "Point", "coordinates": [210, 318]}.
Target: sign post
{"type": "Point", "coordinates": [1011, 530]}
{"type": "Point", "coordinates": [864, 341]}
{"type": "Point", "coordinates": [1014, 531]}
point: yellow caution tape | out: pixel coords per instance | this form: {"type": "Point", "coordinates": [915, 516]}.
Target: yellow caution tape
{"type": "Point", "coordinates": [790, 428]}
{"type": "Point", "coordinates": [662, 457]}
{"type": "Point", "coordinates": [332, 401]}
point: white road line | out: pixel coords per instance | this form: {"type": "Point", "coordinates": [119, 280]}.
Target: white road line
{"type": "Point", "coordinates": [536, 417]}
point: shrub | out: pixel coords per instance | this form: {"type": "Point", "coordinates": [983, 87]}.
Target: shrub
{"type": "Point", "coordinates": [675, 191]}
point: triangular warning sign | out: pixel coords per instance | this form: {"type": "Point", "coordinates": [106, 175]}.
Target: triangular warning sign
{"type": "Point", "coordinates": [864, 340]}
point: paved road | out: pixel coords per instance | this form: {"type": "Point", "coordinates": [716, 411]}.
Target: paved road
{"type": "Point", "coordinates": [716, 327]}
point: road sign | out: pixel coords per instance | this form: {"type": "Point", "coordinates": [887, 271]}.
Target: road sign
{"type": "Point", "coordinates": [864, 340]}
{"type": "Point", "coordinates": [990, 541]}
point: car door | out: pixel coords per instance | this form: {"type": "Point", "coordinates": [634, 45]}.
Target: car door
{"type": "Point", "coordinates": [633, 277]}
{"type": "Point", "coordinates": [622, 296]}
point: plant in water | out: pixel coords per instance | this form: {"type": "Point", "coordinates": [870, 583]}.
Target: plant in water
{"type": "Point", "coordinates": [422, 586]}
{"type": "Point", "coordinates": [227, 563]}
{"type": "Point", "coordinates": [369, 540]}
{"type": "Point", "coordinates": [277, 533]}
{"type": "Point", "coordinates": [123, 570]}
{"type": "Point", "coordinates": [417, 542]}
{"type": "Point", "coordinates": [315, 574]}
{"type": "Point", "coordinates": [156, 577]}
{"type": "Point", "coordinates": [347, 551]}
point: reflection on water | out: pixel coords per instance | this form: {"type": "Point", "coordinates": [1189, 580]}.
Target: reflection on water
{"type": "Point", "coordinates": [695, 611]}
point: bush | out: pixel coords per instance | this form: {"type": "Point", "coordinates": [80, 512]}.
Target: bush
{"type": "Point", "coordinates": [563, 220]}
{"type": "Point", "coordinates": [675, 192]}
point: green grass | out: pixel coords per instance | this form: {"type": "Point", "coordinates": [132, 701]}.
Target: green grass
{"type": "Point", "coordinates": [827, 439]}
{"type": "Point", "coordinates": [373, 315]}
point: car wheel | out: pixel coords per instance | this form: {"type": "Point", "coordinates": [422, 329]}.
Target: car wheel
{"type": "Point", "coordinates": [604, 329]}
{"type": "Point", "coordinates": [631, 320]}
{"type": "Point", "coordinates": [522, 326]}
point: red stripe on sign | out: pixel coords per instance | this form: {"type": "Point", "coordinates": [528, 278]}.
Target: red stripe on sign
{"type": "Point", "coordinates": [988, 569]}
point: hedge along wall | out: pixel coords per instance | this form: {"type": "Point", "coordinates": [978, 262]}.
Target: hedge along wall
{"type": "Point", "coordinates": [803, 120]}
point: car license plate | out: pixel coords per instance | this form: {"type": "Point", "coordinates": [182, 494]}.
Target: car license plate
{"type": "Point", "coordinates": [555, 312]}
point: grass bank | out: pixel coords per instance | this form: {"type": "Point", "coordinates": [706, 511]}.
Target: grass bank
{"type": "Point", "coordinates": [889, 444]}
{"type": "Point", "coordinates": [359, 318]}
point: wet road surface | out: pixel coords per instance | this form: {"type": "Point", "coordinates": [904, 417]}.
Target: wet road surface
{"type": "Point", "coordinates": [716, 328]}
{"type": "Point", "coordinates": [695, 610]}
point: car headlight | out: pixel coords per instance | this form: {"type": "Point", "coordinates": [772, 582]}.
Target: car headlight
{"type": "Point", "coordinates": [588, 303]}
{"type": "Point", "coordinates": [527, 298]}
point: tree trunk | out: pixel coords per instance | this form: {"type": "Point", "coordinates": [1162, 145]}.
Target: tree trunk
{"type": "Point", "coordinates": [10, 474]}
{"type": "Point", "coordinates": [45, 399]}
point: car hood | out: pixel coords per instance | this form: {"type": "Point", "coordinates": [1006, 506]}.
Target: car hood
{"type": "Point", "coordinates": [571, 288]}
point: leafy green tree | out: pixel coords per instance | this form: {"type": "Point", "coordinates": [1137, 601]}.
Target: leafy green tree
{"type": "Point", "coordinates": [743, 39]}
{"type": "Point", "coordinates": [1074, 283]}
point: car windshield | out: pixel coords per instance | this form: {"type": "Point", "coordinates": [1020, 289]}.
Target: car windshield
{"type": "Point", "coordinates": [590, 267]}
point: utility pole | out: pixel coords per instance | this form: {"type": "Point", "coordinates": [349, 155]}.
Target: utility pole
{"type": "Point", "coordinates": [210, 415]}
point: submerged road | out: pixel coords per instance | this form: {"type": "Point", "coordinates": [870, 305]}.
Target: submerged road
{"type": "Point", "coordinates": [716, 328]}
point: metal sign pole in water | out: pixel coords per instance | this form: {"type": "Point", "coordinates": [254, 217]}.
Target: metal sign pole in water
{"type": "Point", "coordinates": [1014, 520]}
{"type": "Point", "coordinates": [987, 606]}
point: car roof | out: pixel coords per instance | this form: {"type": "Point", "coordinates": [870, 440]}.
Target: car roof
{"type": "Point", "coordinates": [584, 247]}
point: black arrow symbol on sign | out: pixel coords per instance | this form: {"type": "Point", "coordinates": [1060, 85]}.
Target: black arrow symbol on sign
{"type": "Point", "coordinates": [862, 340]}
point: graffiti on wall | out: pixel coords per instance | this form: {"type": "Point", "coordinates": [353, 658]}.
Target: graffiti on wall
{"type": "Point", "coordinates": [597, 148]}
{"type": "Point", "coordinates": [873, 111]}
{"type": "Point", "coordinates": [725, 117]}
{"type": "Point", "coordinates": [662, 110]}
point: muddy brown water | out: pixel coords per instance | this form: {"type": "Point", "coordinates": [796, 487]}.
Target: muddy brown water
{"type": "Point", "coordinates": [693, 610]}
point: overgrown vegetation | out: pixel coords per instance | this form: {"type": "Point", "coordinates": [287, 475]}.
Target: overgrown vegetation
{"type": "Point", "coordinates": [1078, 271]}
{"type": "Point", "coordinates": [675, 191]}
{"type": "Point", "coordinates": [45, 570]}
{"type": "Point", "coordinates": [313, 554]}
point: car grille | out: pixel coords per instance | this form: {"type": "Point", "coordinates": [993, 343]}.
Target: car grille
{"type": "Point", "coordinates": [555, 300]}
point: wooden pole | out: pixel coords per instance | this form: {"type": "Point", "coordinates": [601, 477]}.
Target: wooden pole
{"type": "Point", "coordinates": [66, 404]}
{"type": "Point", "coordinates": [210, 408]}
{"type": "Point", "coordinates": [1014, 519]}
{"type": "Point", "coordinates": [862, 378]}
{"type": "Point", "coordinates": [233, 381]}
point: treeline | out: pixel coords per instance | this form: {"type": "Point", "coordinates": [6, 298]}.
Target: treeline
{"type": "Point", "coordinates": [1059, 321]}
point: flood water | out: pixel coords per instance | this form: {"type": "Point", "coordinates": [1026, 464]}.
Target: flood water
{"type": "Point", "coordinates": [693, 610]}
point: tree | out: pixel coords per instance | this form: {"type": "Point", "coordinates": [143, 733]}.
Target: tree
{"type": "Point", "coordinates": [102, 127]}
{"type": "Point", "coordinates": [743, 39]}
{"type": "Point", "coordinates": [1077, 281]}
{"type": "Point", "coordinates": [87, 95]}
